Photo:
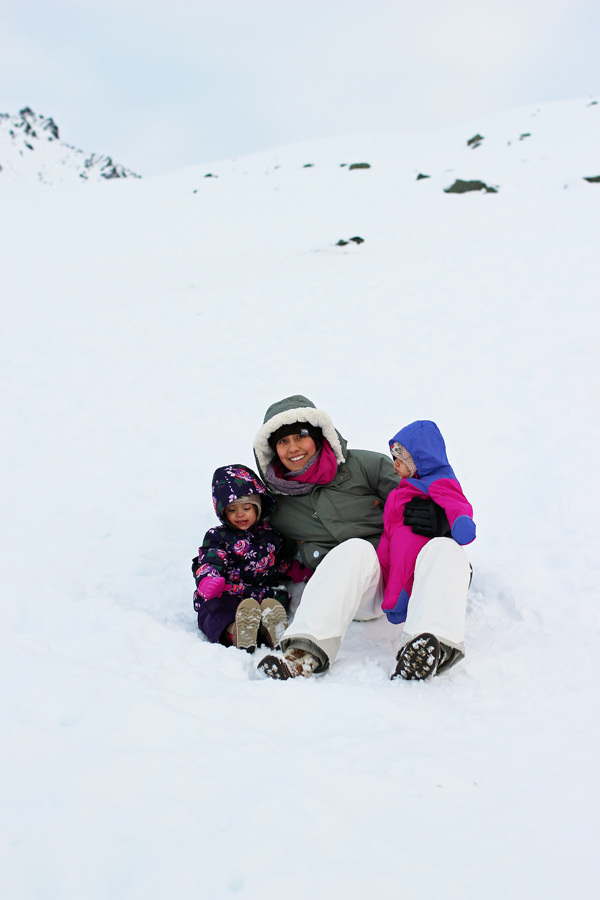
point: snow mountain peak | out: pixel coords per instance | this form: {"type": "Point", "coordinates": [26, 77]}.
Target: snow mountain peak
{"type": "Point", "coordinates": [31, 150]}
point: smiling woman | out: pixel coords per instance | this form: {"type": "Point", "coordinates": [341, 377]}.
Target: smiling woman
{"type": "Point", "coordinates": [330, 508]}
{"type": "Point", "coordinates": [295, 450]}
{"type": "Point", "coordinates": [304, 458]}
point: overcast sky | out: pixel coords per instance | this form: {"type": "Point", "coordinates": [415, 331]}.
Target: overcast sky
{"type": "Point", "coordinates": [159, 85]}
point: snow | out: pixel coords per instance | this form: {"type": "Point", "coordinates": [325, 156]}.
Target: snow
{"type": "Point", "coordinates": [147, 325]}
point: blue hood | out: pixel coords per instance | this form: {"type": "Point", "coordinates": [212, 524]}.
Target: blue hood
{"type": "Point", "coordinates": [424, 442]}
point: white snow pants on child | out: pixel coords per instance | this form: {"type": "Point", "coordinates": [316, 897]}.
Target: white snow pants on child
{"type": "Point", "coordinates": [347, 585]}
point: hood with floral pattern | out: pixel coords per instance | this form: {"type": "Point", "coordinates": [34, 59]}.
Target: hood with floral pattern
{"type": "Point", "coordinates": [234, 482]}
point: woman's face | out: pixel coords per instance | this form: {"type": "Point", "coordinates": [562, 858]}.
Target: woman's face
{"type": "Point", "coordinates": [295, 450]}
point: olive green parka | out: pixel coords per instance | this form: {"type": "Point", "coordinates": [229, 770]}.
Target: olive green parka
{"type": "Point", "coordinates": [350, 506]}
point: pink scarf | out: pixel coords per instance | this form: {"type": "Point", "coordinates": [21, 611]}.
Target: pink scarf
{"type": "Point", "coordinates": [322, 471]}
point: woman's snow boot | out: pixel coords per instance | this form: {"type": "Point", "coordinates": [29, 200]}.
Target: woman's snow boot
{"type": "Point", "coordinates": [292, 664]}
{"type": "Point", "coordinates": [418, 659]}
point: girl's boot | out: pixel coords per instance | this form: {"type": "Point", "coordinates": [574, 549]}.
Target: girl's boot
{"type": "Point", "coordinates": [273, 622]}
{"type": "Point", "coordinates": [247, 623]}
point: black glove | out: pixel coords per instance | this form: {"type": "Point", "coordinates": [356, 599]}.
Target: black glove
{"type": "Point", "coordinates": [423, 516]}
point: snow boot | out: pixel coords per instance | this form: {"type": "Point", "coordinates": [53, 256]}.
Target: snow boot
{"type": "Point", "coordinates": [418, 659]}
{"type": "Point", "coordinates": [292, 664]}
{"type": "Point", "coordinates": [273, 622]}
{"type": "Point", "coordinates": [449, 656]}
{"type": "Point", "coordinates": [247, 622]}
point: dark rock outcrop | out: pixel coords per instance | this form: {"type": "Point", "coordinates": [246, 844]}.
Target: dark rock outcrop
{"type": "Point", "coordinates": [475, 141]}
{"type": "Point", "coordinates": [463, 187]}
{"type": "Point", "coordinates": [104, 167]}
{"type": "Point", "coordinates": [355, 240]}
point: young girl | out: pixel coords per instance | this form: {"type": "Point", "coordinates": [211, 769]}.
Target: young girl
{"type": "Point", "coordinates": [419, 455]}
{"type": "Point", "coordinates": [239, 566]}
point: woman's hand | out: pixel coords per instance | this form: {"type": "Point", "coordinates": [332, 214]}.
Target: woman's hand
{"type": "Point", "coordinates": [299, 573]}
{"type": "Point", "coordinates": [423, 516]}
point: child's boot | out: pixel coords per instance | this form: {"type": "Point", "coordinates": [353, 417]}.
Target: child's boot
{"type": "Point", "coordinates": [247, 623]}
{"type": "Point", "coordinates": [273, 622]}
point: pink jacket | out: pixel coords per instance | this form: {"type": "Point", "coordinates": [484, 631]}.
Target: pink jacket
{"type": "Point", "coordinates": [399, 546]}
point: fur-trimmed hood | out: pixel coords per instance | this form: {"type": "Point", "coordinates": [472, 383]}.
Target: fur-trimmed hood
{"type": "Point", "coordinates": [286, 412]}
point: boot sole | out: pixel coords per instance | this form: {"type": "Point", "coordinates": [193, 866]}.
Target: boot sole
{"type": "Point", "coordinates": [418, 659]}
{"type": "Point", "coordinates": [274, 621]}
{"type": "Point", "coordinates": [275, 668]}
{"type": "Point", "coordinates": [247, 622]}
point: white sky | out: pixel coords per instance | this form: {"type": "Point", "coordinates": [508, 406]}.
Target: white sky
{"type": "Point", "coordinates": [159, 85]}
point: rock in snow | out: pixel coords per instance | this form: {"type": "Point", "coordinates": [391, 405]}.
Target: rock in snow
{"type": "Point", "coordinates": [463, 187]}
{"type": "Point", "coordinates": [31, 149]}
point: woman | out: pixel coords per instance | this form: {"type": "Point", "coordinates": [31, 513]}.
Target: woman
{"type": "Point", "coordinates": [330, 505]}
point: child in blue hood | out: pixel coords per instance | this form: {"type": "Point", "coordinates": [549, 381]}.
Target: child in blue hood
{"type": "Point", "coordinates": [420, 459]}
{"type": "Point", "coordinates": [239, 566]}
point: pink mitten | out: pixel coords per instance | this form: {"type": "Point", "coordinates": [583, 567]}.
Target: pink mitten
{"type": "Point", "coordinates": [211, 587]}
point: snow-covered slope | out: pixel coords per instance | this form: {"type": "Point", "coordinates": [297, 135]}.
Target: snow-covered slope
{"type": "Point", "coordinates": [145, 331]}
{"type": "Point", "coordinates": [547, 146]}
{"type": "Point", "coordinates": [31, 150]}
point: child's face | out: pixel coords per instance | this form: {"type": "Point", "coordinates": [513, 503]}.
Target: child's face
{"type": "Point", "coordinates": [401, 468]}
{"type": "Point", "coordinates": [295, 450]}
{"type": "Point", "coordinates": [241, 515]}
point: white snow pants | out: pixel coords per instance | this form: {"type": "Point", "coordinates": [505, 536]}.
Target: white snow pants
{"type": "Point", "coordinates": [347, 585]}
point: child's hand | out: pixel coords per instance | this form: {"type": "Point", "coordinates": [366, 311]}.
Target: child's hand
{"type": "Point", "coordinates": [210, 587]}
{"type": "Point", "coordinates": [463, 530]}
